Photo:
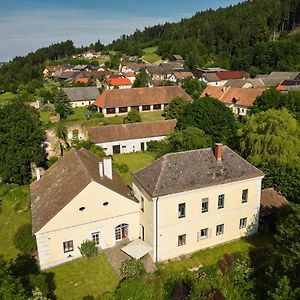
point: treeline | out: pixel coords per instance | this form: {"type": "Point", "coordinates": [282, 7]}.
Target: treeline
{"type": "Point", "coordinates": [217, 37]}
{"type": "Point", "coordinates": [25, 69]}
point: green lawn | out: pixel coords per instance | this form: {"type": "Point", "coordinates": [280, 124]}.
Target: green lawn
{"type": "Point", "coordinates": [14, 212]}
{"type": "Point", "coordinates": [5, 97]}
{"type": "Point", "coordinates": [212, 255]}
{"type": "Point", "coordinates": [79, 117]}
{"type": "Point", "coordinates": [150, 55]}
{"type": "Point", "coordinates": [134, 161]}
{"type": "Point", "coordinates": [84, 277]}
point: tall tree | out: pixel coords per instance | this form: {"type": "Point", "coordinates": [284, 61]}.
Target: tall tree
{"type": "Point", "coordinates": [210, 115]}
{"type": "Point", "coordinates": [141, 79]}
{"type": "Point", "coordinates": [21, 137]}
{"type": "Point", "coordinates": [62, 104]}
{"type": "Point", "coordinates": [271, 138]}
{"type": "Point", "coordinates": [173, 109]}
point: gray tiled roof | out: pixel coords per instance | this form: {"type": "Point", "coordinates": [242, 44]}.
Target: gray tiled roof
{"type": "Point", "coordinates": [190, 170]}
{"type": "Point", "coordinates": [81, 93]}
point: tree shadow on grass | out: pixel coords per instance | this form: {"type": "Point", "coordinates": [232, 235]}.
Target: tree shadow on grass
{"type": "Point", "coordinates": [26, 268]}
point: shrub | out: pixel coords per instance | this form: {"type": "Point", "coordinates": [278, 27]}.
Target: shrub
{"type": "Point", "coordinates": [132, 269]}
{"type": "Point", "coordinates": [24, 240]}
{"type": "Point", "coordinates": [133, 116]}
{"type": "Point", "coordinates": [51, 161]}
{"type": "Point", "coordinates": [123, 168]}
{"type": "Point", "coordinates": [88, 249]}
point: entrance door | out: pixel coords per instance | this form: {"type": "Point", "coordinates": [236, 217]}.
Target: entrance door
{"type": "Point", "coordinates": [142, 146]}
{"type": "Point", "coordinates": [121, 232]}
{"type": "Point", "coordinates": [116, 149]}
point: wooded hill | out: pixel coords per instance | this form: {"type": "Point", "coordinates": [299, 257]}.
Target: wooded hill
{"type": "Point", "coordinates": [225, 36]}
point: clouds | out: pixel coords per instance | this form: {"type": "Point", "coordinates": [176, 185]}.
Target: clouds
{"type": "Point", "coordinates": [22, 32]}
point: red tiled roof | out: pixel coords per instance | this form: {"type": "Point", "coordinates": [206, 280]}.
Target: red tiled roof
{"type": "Point", "coordinates": [118, 81]}
{"type": "Point", "coordinates": [242, 97]}
{"type": "Point", "coordinates": [140, 96]}
{"type": "Point", "coordinates": [128, 74]}
{"type": "Point", "coordinates": [225, 75]}
{"type": "Point", "coordinates": [83, 80]}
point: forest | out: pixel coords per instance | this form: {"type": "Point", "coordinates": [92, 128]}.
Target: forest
{"type": "Point", "coordinates": [251, 35]}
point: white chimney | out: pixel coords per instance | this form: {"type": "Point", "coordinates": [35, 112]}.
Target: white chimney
{"type": "Point", "coordinates": [101, 168]}
{"type": "Point", "coordinates": [107, 166]}
{"type": "Point", "coordinates": [38, 173]}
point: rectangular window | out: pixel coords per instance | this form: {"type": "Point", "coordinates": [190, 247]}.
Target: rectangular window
{"type": "Point", "coordinates": [181, 239]}
{"type": "Point", "coordinates": [135, 108]}
{"type": "Point", "coordinates": [220, 229]}
{"type": "Point", "coordinates": [243, 223]}
{"type": "Point", "coordinates": [146, 107]}
{"type": "Point", "coordinates": [96, 238]}
{"type": "Point", "coordinates": [156, 106]}
{"type": "Point", "coordinates": [245, 196]}
{"type": "Point", "coordinates": [221, 199]}
{"type": "Point", "coordinates": [68, 246]}
{"type": "Point", "coordinates": [205, 205]}
{"type": "Point", "coordinates": [111, 110]}
{"type": "Point", "coordinates": [123, 109]}
{"type": "Point", "coordinates": [142, 204]}
{"type": "Point", "coordinates": [181, 210]}
{"type": "Point", "coordinates": [203, 234]}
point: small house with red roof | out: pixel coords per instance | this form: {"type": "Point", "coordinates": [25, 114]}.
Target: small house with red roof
{"type": "Point", "coordinates": [239, 100]}
{"type": "Point", "coordinates": [119, 82]}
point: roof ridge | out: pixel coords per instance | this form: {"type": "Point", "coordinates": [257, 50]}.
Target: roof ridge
{"type": "Point", "coordinates": [160, 173]}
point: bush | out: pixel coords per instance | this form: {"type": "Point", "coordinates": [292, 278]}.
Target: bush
{"type": "Point", "coordinates": [132, 269]}
{"type": "Point", "coordinates": [133, 116]}
{"type": "Point", "coordinates": [153, 146]}
{"type": "Point", "coordinates": [51, 161]}
{"type": "Point", "coordinates": [24, 240]}
{"type": "Point", "coordinates": [123, 168]}
{"type": "Point", "coordinates": [88, 249]}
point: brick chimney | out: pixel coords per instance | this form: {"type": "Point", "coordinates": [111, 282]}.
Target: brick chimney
{"type": "Point", "coordinates": [218, 151]}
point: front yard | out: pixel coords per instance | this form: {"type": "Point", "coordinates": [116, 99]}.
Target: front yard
{"type": "Point", "coordinates": [84, 277]}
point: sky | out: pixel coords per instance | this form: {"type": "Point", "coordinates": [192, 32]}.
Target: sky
{"type": "Point", "coordinates": [26, 25]}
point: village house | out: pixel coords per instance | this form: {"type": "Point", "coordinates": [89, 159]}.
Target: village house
{"type": "Point", "coordinates": [80, 198]}
{"type": "Point", "coordinates": [179, 204]}
{"type": "Point", "coordinates": [245, 83]}
{"type": "Point", "coordinates": [81, 96]}
{"type": "Point", "coordinates": [119, 82]}
{"type": "Point", "coordinates": [163, 71]}
{"type": "Point", "coordinates": [196, 199]}
{"type": "Point", "coordinates": [116, 102]}
{"type": "Point", "coordinates": [180, 75]}
{"type": "Point", "coordinates": [90, 55]}
{"type": "Point", "coordinates": [274, 79]}
{"type": "Point", "coordinates": [126, 138]}
{"type": "Point", "coordinates": [220, 78]}
{"type": "Point", "coordinates": [239, 100]}
{"type": "Point", "coordinates": [131, 67]}
{"type": "Point", "coordinates": [198, 72]}
{"type": "Point", "coordinates": [176, 58]}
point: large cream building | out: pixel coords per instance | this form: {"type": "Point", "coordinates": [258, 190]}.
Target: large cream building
{"type": "Point", "coordinates": [197, 199]}
{"type": "Point", "coordinates": [179, 204]}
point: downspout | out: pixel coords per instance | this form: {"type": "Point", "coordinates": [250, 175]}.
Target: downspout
{"type": "Point", "coordinates": [156, 229]}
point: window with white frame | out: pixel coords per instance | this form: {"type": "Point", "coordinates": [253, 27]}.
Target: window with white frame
{"type": "Point", "coordinates": [203, 234]}
{"type": "Point", "coordinates": [181, 239]}
{"type": "Point", "coordinates": [245, 196]}
{"type": "Point", "coordinates": [68, 246]}
{"type": "Point", "coordinates": [181, 210]}
{"type": "Point", "coordinates": [142, 204]}
{"type": "Point", "coordinates": [205, 205]}
{"type": "Point", "coordinates": [220, 229]}
{"type": "Point", "coordinates": [96, 238]}
{"type": "Point", "coordinates": [221, 199]}
{"type": "Point", "coordinates": [243, 223]}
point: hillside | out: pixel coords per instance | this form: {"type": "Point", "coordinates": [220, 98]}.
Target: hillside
{"type": "Point", "coordinates": [219, 37]}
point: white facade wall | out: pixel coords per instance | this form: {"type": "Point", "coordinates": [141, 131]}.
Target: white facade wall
{"type": "Point", "coordinates": [128, 146]}
{"type": "Point", "coordinates": [71, 224]}
{"type": "Point", "coordinates": [166, 225]}
{"type": "Point", "coordinates": [238, 110]}
{"type": "Point", "coordinates": [111, 87]}
{"type": "Point", "coordinates": [81, 103]}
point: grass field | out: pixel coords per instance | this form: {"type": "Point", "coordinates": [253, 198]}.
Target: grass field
{"type": "Point", "coordinates": [5, 97]}
{"type": "Point", "coordinates": [84, 277]}
{"type": "Point", "coordinates": [150, 55]}
{"type": "Point", "coordinates": [14, 212]}
{"type": "Point", "coordinates": [79, 117]}
{"type": "Point", "coordinates": [134, 161]}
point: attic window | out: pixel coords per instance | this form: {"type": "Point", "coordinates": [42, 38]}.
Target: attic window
{"type": "Point", "coordinates": [82, 208]}
{"type": "Point", "coordinates": [105, 203]}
